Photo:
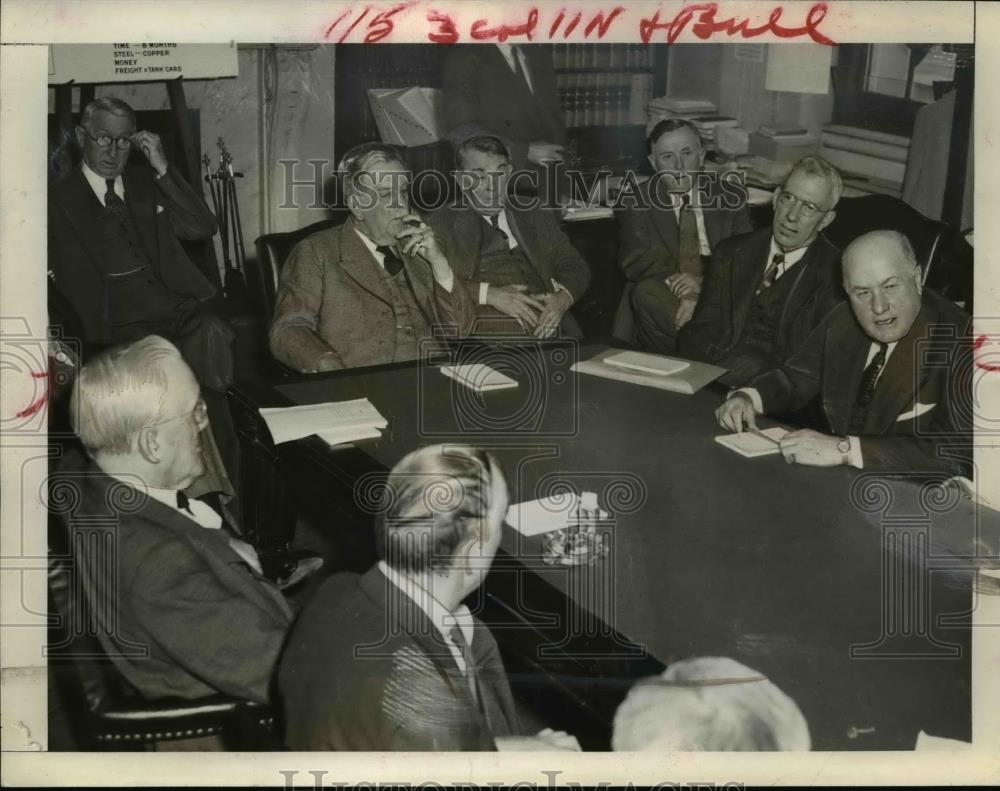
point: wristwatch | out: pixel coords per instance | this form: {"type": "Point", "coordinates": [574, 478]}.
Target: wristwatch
{"type": "Point", "coordinates": [844, 446]}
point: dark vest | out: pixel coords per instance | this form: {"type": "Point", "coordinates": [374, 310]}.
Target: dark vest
{"type": "Point", "coordinates": [136, 302]}
{"type": "Point", "coordinates": [501, 266]}
{"type": "Point", "coordinates": [411, 324]}
{"type": "Point", "coordinates": [761, 328]}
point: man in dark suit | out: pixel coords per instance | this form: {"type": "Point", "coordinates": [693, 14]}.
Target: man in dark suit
{"type": "Point", "coordinates": [667, 237]}
{"type": "Point", "coordinates": [508, 91]}
{"type": "Point", "coordinates": [392, 660]}
{"type": "Point", "coordinates": [182, 607]}
{"type": "Point", "coordinates": [517, 265]}
{"type": "Point", "coordinates": [114, 254]}
{"type": "Point", "coordinates": [765, 291]}
{"type": "Point", "coordinates": [373, 290]}
{"type": "Point", "coordinates": [893, 371]}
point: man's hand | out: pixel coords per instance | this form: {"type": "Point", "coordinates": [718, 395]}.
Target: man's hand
{"type": "Point", "coordinates": [541, 152]}
{"type": "Point", "coordinates": [684, 312]}
{"type": "Point", "coordinates": [555, 305]}
{"type": "Point", "coordinates": [684, 285]}
{"type": "Point", "coordinates": [328, 361]}
{"type": "Point", "coordinates": [806, 446]}
{"type": "Point", "coordinates": [517, 303]}
{"type": "Point", "coordinates": [151, 147]}
{"type": "Point", "coordinates": [543, 741]}
{"type": "Point", "coordinates": [417, 239]}
{"type": "Point", "coordinates": [736, 412]}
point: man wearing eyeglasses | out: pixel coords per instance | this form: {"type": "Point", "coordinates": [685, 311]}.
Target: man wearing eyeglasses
{"type": "Point", "coordinates": [179, 599]}
{"type": "Point", "coordinates": [765, 291]}
{"type": "Point", "coordinates": [114, 254]}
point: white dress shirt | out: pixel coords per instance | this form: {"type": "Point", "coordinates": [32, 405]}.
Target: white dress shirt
{"type": "Point", "coordinates": [791, 259]}
{"type": "Point", "coordinates": [99, 185]}
{"type": "Point", "coordinates": [446, 284]}
{"type": "Point", "coordinates": [440, 616]}
{"type": "Point", "coordinates": [509, 53]}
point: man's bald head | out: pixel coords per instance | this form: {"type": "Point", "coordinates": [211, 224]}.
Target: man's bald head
{"type": "Point", "coordinates": [883, 281]}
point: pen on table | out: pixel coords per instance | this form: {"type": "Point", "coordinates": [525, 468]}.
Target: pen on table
{"type": "Point", "coordinates": [762, 435]}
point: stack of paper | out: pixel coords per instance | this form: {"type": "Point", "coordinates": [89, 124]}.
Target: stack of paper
{"type": "Point", "coordinates": [752, 444]}
{"type": "Point", "coordinates": [650, 370]}
{"type": "Point", "coordinates": [407, 116]}
{"type": "Point", "coordinates": [546, 514]}
{"type": "Point", "coordinates": [647, 363]}
{"type": "Point", "coordinates": [336, 422]}
{"type": "Point", "coordinates": [479, 377]}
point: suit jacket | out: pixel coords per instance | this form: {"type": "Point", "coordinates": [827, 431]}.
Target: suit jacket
{"type": "Point", "coordinates": [164, 210]}
{"type": "Point", "coordinates": [647, 235]}
{"type": "Point", "coordinates": [332, 297]}
{"type": "Point", "coordinates": [538, 235]}
{"type": "Point", "coordinates": [922, 398]}
{"type": "Point", "coordinates": [727, 294]}
{"type": "Point", "coordinates": [366, 670]}
{"type": "Point", "coordinates": [482, 95]}
{"type": "Point", "coordinates": [179, 613]}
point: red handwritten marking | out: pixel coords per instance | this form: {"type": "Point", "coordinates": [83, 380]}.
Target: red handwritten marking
{"type": "Point", "coordinates": [557, 22]}
{"type": "Point", "coordinates": [446, 33]}
{"type": "Point", "coordinates": [502, 32]}
{"type": "Point", "coordinates": [354, 24]}
{"type": "Point", "coordinates": [977, 344]}
{"type": "Point", "coordinates": [36, 406]}
{"type": "Point", "coordinates": [337, 21]}
{"type": "Point", "coordinates": [706, 25]}
{"type": "Point", "coordinates": [601, 23]}
{"type": "Point", "coordinates": [383, 22]}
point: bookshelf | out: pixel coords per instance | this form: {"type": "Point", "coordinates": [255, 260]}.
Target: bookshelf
{"type": "Point", "coordinates": [604, 90]}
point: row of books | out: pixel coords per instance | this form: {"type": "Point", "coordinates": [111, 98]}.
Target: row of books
{"type": "Point", "coordinates": [602, 56]}
{"type": "Point", "coordinates": [609, 99]}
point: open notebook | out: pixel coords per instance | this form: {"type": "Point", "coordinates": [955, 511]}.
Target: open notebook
{"type": "Point", "coordinates": [754, 443]}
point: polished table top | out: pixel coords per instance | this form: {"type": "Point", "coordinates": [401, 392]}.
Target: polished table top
{"type": "Point", "coordinates": [795, 571]}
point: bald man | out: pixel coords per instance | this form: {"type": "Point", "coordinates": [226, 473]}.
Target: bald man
{"type": "Point", "coordinates": [892, 370]}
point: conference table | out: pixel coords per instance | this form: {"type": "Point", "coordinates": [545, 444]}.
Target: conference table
{"type": "Point", "coordinates": [850, 590]}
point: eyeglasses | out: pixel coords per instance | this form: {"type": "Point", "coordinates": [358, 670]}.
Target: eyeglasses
{"type": "Point", "coordinates": [199, 413]}
{"type": "Point", "coordinates": [809, 209]}
{"type": "Point", "coordinates": [122, 143]}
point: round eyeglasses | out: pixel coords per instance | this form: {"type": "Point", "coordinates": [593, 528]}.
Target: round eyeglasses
{"type": "Point", "coordinates": [121, 143]}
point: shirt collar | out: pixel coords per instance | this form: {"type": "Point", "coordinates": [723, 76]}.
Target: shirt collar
{"type": "Point", "coordinates": [791, 258]}
{"type": "Point", "coordinates": [208, 517]}
{"type": "Point", "coordinates": [99, 185]}
{"type": "Point", "coordinates": [440, 616]}
{"type": "Point", "coordinates": [371, 246]}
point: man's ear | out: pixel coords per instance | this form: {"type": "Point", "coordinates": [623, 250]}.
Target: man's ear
{"type": "Point", "coordinates": [701, 159]}
{"type": "Point", "coordinates": [148, 444]}
{"type": "Point", "coordinates": [81, 136]}
{"type": "Point", "coordinates": [352, 206]}
{"type": "Point", "coordinates": [918, 278]}
{"type": "Point", "coordinates": [652, 161]}
{"type": "Point", "coordinates": [830, 217]}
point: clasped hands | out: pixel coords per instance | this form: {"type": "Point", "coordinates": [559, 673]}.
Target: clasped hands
{"type": "Point", "coordinates": [804, 446]}
{"type": "Point", "coordinates": [538, 314]}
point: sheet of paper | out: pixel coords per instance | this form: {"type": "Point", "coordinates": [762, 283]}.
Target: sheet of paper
{"type": "Point", "coordinates": [348, 435]}
{"type": "Point", "coordinates": [291, 423]}
{"type": "Point", "coordinates": [751, 444]}
{"type": "Point", "coordinates": [534, 517]}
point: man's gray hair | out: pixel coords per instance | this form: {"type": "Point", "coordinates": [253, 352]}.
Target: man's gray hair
{"type": "Point", "coordinates": [106, 104]}
{"type": "Point", "coordinates": [813, 165]}
{"type": "Point", "coordinates": [362, 158]}
{"type": "Point", "coordinates": [709, 703]}
{"type": "Point", "coordinates": [119, 392]}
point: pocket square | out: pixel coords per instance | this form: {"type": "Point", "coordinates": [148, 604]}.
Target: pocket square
{"type": "Point", "coordinates": [918, 410]}
{"type": "Point", "coordinates": [159, 209]}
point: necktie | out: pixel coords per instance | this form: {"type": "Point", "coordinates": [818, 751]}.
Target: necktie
{"type": "Point", "coordinates": [495, 222]}
{"type": "Point", "coordinates": [115, 204]}
{"type": "Point", "coordinates": [771, 273]}
{"type": "Point", "coordinates": [243, 550]}
{"type": "Point", "coordinates": [392, 262]}
{"type": "Point", "coordinates": [520, 67]}
{"type": "Point", "coordinates": [688, 243]}
{"type": "Point", "coordinates": [458, 638]}
{"type": "Point", "coordinates": [870, 376]}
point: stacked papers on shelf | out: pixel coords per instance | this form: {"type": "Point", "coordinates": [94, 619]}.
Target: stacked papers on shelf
{"type": "Point", "coordinates": [479, 377]}
{"type": "Point", "coordinates": [336, 422]}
